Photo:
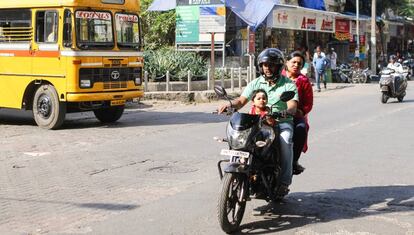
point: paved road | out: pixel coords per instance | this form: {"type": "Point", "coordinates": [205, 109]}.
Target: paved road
{"type": "Point", "coordinates": [155, 172]}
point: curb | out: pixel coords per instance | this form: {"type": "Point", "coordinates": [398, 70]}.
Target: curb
{"type": "Point", "coordinates": [209, 96]}
{"type": "Point", "coordinates": [186, 96]}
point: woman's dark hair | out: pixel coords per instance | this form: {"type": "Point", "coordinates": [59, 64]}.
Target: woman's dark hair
{"type": "Point", "coordinates": [297, 54]}
{"type": "Point", "coordinates": [255, 92]}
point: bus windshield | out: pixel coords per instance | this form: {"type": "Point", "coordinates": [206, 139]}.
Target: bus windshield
{"type": "Point", "coordinates": [127, 30]}
{"type": "Point", "coordinates": [94, 29]}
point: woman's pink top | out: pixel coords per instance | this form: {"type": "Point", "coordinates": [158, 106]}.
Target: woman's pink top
{"type": "Point", "coordinates": [305, 93]}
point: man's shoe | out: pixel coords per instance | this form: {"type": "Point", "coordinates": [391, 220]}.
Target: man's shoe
{"type": "Point", "coordinates": [297, 168]}
{"type": "Point", "coordinates": [281, 192]}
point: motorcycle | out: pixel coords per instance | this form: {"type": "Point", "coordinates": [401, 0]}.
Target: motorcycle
{"type": "Point", "coordinates": [253, 157]}
{"type": "Point", "coordinates": [392, 85]}
{"type": "Point", "coordinates": [345, 73]}
{"type": "Point", "coordinates": [361, 75]}
{"type": "Point", "coordinates": [408, 66]}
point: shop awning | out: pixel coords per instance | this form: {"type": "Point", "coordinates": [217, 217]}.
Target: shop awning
{"type": "Point", "coordinates": [253, 12]}
{"type": "Point", "coordinates": [313, 4]}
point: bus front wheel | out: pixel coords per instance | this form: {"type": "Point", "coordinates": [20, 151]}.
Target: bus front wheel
{"type": "Point", "coordinates": [48, 111]}
{"type": "Point", "coordinates": [108, 115]}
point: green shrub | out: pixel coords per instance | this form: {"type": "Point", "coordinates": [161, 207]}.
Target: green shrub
{"type": "Point", "coordinates": [158, 62]}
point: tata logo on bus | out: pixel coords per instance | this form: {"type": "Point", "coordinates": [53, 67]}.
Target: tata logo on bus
{"type": "Point", "coordinates": [93, 15]}
{"type": "Point", "coordinates": [115, 75]}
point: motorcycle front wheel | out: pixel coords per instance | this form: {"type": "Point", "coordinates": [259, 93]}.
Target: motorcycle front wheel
{"type": "Point", "coordinates": [384, 98]}
{"type": "Point", "coordinates": [231, 206]}
{"type": "Point", "coordinates": [363, 78]}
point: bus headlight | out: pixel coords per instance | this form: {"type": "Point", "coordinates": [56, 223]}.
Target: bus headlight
{"type": "Point", "coordinates": [138, 81]}
{"type": "Point", "coordinates": [85, 83]}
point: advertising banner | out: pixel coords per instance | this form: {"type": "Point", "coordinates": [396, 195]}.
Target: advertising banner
{"type": "Point", "coordinates": [187, 19]}
{"type": "Point", "coordinates": [195, 22]}
{"type": "Point", "coordinates": [212, 19]}
{"type": "Point", "coordinates": [301, 20]}
{"type": "Point", "coordinates": [342, 25]}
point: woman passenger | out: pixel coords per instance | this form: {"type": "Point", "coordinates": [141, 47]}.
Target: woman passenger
{"type": "Point", "coordinates": [294, 64]}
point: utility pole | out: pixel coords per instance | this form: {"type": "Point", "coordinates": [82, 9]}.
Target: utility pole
{"type": "Point", "coordinates": [357, 30]}
{"type": "Point", "coordinates": [373, 37]}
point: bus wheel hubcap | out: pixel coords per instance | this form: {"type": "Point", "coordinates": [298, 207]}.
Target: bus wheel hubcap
{"type": "Point", "coordinates": [44, 106]}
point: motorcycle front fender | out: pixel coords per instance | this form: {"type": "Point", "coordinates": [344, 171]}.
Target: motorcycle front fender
{"type": "Point", "coordinates": [235, 167]}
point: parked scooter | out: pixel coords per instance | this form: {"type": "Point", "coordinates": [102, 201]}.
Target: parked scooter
{"type": "Point", "coordinates": [408, 66]}
{"type": "Point", "coordinates": [392, 85]}
{"type": "Point", "coordinates": [345, 73]}
{"type": "Point", "coordinates": [361, 75]}
{"type": "Point", "coordinates": [254, 163]}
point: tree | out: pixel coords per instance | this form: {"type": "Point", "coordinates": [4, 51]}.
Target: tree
{"type": "Point", "coordinates": [408, 10]}
{"type": "Point", "coordinates": [403, 7]}
{"type": "Point", "coordinates": [158, 28]}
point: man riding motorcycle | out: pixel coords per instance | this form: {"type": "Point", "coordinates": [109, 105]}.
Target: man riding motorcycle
{"type": "Point", "coordinates": [393, 64]}
{"type": "Point", "coordinates": [271, 63]}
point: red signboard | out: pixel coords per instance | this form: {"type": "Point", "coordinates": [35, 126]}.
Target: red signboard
{"type": "Point", "coordinates": [252, 44]}
{"type": "Point", "coordinates": [342, 26]}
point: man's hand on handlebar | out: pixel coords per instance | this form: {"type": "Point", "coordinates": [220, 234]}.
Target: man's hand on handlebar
{"type": "Point", "coordinates": [223, 108]}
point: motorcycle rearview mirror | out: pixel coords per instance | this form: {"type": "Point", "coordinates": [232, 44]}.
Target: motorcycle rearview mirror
{"type": "Point", "coordinates": [287, 95]}
{"type": "Point", "coordinates": [220, 91]}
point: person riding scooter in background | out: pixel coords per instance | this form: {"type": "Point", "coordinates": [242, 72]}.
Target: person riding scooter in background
{"type": "Point", "coordinates": [393, 64]}
{"type": "Point", "coordinates": [271, 62]}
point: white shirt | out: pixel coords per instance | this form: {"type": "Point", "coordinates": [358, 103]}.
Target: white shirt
{"type": "Point", "coordinates": [316, 54]}
{"type": "Point", "coordinates": [396, 66]}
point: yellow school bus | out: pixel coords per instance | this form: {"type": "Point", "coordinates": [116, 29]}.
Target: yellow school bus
{"type": "Point", "coordinates": [61, 56]}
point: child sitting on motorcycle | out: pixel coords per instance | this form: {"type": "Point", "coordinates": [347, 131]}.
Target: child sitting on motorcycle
{"type": "Point", "coordinates": [259, 105]}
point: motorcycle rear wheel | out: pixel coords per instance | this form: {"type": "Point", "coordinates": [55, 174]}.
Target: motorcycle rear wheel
{"type": "Point", "coordinates": [384, 98]}
{"type": "Point", "coordinates": [230, 207]}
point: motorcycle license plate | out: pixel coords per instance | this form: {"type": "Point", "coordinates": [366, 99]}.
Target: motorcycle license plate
{"type": "Point", "coordinates": [234, 153]}
{"type": "Point", "coordinates": [384, 88]}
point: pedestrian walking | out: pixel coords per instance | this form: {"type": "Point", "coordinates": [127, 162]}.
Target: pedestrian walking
{"type": "Point", "coordinates": [333, 57]}
{"type": "Point", "coordinates": [320, 63]}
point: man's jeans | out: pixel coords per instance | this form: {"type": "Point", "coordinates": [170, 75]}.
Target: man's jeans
{"type": "Point", "coordinates": [318, 75]}
{"type": "Point", "coordinates": [286, 152]}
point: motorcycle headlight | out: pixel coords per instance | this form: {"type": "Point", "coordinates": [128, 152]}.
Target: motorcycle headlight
{"type": "Point", "coordinates": [237, 139]}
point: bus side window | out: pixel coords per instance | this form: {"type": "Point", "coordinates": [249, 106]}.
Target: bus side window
{"type": "Point", "coordinates": [67, 29]}
{"type": "Point", "coordinates": [15, 25]}
{"type": "Point", "coordinates": [46, 26]}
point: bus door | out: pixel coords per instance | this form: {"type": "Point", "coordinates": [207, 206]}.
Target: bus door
{"type": "Point", "coordinates": [47, 63]}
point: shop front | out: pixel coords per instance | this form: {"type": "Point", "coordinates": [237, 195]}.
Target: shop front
{"type": "Point", "coordinates": [291, 28]}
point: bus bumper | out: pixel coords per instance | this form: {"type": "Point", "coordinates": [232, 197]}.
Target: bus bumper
{"type": "Point", "coordinates": [104, 96]}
